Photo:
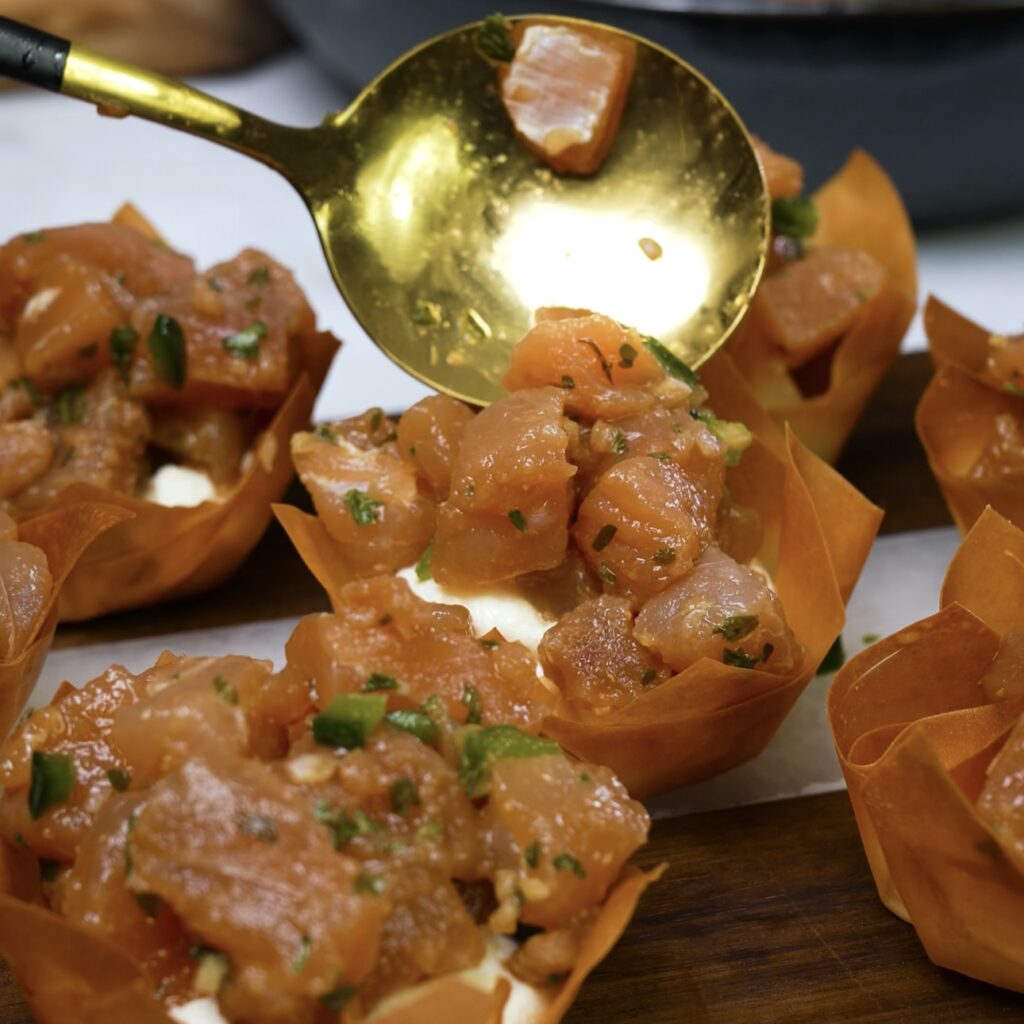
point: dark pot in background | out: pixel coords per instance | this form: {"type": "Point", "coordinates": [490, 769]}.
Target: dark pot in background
{"type": "Point", "coordinates": [937, 98]}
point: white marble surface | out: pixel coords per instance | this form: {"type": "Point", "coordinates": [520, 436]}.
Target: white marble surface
{"type": "Point", "coordinates": [61, 164]}
{"type": "Point", "coordinates": [900, 585]}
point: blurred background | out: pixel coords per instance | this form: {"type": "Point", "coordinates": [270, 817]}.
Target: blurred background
{"type": "Point", "coordinates": [932, 88]}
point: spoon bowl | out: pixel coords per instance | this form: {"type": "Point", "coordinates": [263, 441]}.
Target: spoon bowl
{"type": "Point", "coordinates": [444, 233]}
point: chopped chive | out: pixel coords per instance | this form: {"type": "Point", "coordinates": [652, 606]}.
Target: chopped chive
{"type": "Point", "coordinates": [870, 638]}
{"type": "Point", "coordinates": [664, 556]}
{"type": "Point", "coordinates": [619, 444]}
{"type": "Point", "coordinates": [833, 660]}
{"type": "Point", "coordinates": [567, 382]}
{"type": "Point", "coordinates": [481, 747]}
{"type": "Point", "coordinates": [431, 831]}
{"type": "Point", "coordinates": [670, 362]}
{"type": "Point", "coordinates": [368, 884]}
{"type": "Point", "coordinates": [379, 681]}
{"type": "Point", "coordinates": [53, 778]}
{"type": "Point", "coordinates": [475, 710]}
{"type": "Point", "coordinates": [404, 795]}
{"type": "Point", "coordinates": [627, 355]}
{"type": "Point", "coordinates": [567, 862]}
{"type": "Point", "coordinates": [166, 344]}
{"type": "Point", "coordinates": [246, 343]}
{"type": "Point", "coordinates": [35, 236]}
{"type": "Point", "coordinates": [71, 405]}
{"type": "Point", "coordinates": [326, 434]}
{"type": "Point", "coordinates": [604, 536]}
{"type": "Point", "coordinates": [660, 456]}
{"type": "Point", "coordinates": [736, 627]}
{"type": "Point", "coordinates": [420, 724]}
{"type": "Point", "coordinates": [517, 519]}
{"type": "Point", "coordinates": [258, 276]}
{"type": "Point", "coordinates": [423, 565]}
{"type": "Point", "coordinates": [226, 689]}
{"type": "Point", "coordinates": [606, 574]}
{"type": "Point", "coordinates": [338, 998]}
{"type": "Point", "coordinates": [214, 284]}
{"type": "Point", "coordinates": [650, 674]}
{"type": "Point", "coordinates": [362, 507]}
{"type": "Point", "coordinates": [30, 389]}
{"type": "Point", "coordinates": [301, 958]}
{"type": "Point", "coordinates": [119, 779]}
{"type": "Point", "coordinates": [794, 217]}
{"type": "Point", "coordinates": [739, 658]}
{"type": "Point", "coordinates": [531, 855]}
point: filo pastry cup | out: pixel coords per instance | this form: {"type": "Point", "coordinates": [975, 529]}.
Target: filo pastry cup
{"type": "Point", "coordinates": [969, 421]}
{"type": "Point", "coordinates": [859, 209]}
{"type": "Point", "coordinates": [161, 553]}
{"type": "Point", "coordinates": [818, 530]}
{"type": "Point", "coordinates": [62, 535]}
{"type": "Point", "coordinates": [917, 723]}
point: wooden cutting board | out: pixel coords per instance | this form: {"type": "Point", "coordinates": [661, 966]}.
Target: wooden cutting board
{"type": "Point", "coordinates": [767, 914]}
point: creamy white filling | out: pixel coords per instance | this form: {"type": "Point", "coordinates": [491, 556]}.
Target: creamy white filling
{"type": "Point", "coordinates": [498, 606]}
{"type": "Point", "coordinates": [180, 487]}
{"type": "Point", "coordinates": [525, 1003]}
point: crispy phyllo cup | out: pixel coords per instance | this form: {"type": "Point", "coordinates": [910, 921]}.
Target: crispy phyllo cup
{"type": "Point", "coordinates": [928, 725]}
{"type": "Point", "coordinates": [811, 361]}
{"type": "Point", "coordinates": [27, 620]}
{"type": "Point", "coordinates": [713, 716]}
{"type": "Point", "coordinates": [162, 553]}
{"type": "Point", "coordinates": [971, 417]}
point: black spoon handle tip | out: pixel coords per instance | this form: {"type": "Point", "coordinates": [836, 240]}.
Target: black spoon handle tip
{"type": "Point", "coordinates": [31, 56]}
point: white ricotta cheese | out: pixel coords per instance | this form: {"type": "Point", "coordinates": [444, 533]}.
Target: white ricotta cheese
{"type": "Point", "coordinates": [499, 606]}
{"type": "Point", "coordinates": [180, 487]}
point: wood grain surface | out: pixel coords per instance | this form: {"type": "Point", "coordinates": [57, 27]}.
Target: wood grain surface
{"type": "Point", "coordinates": [768, 914]}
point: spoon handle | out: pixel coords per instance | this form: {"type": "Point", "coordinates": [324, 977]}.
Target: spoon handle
{"type": "Point", "coordinates": [118, 89]}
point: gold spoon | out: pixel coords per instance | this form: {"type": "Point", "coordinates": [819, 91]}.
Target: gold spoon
{"type": "Point", "coordinates": [444, 233]}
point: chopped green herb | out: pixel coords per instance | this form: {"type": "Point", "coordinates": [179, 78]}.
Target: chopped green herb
{"type": "Point", "coordinates": [214, 284]}
{"type": "Point", "coordinates": [430, 831]}
{"type": "Point", "coordinates": [30, 389]}
{"type": "Point", "coordinates": [362, 507]}
{"type": "Point", "coordinates": [489, 645]}
{"type": "Point", "coordinates": [122, 343]}
{"type": "Point", "coordinates": [494, 40]}
{"type": "Point", "coordinates": [606, 574]}
{"type": "Point", "coordinates": [604, 536]}
{"type": "Point", "coordinates": [119, 779]}
{"type": "Point", "coordinates": [349, 719]}
{"type": "Point", "coordinates": [660, 456]}
{"type": "Point", "coordinates": [627, 355]}
{"type": "Point", "coordinates": [736, 627]}
{"type": "Point", "coordinates": [166, 344]}
{"type": "Point", "coordinates": [471, 698]}
{"type": "Point", "coordinates": [418, 723]}
{"type": "Point", "coordinates": [326, 434]}
{"type": "Point", "coordinates": [870, 638]}
{"type": "Point", "coordinates": [650, 674]}
{"type": "Point", "coordinates": [470, 489]}
{"type": "Point", "coordinates": [833, 660]}
{"type": "Point", "coordinates": [739, 658]}
{"type": "Point", "coordinates": [517, 519]}
{"type": "Point", "coordinates": [69, 454]}
{"type": "Point", "coordinates": [226, 689]}
{"type": "Point", "coordinates": [19, 840]}
{"type": "Point", "coordinates": [606, 367]}
{"type": "Point", "coordinates": [301, 958]}
{"type": "Point", "coordinates": [664, 556]}
{"type": "Point", "coordinates": [481, 747]}
{"type": "Point", "coordinates": [338, 823]}
{"type": "Point", "coordinates": [48, 869]}
{"type": "Point", "coordinates": [678, 428]}
{"type": "Point", "coordinates": [567, 862]}
{"type": "Point", "coordinates": [734, 435]}
{"type": "Point", "coordinates": [246, 343]}
{"type": "Point", "coordinates": [423, 565]}
{"type": "Point", "coordinates": [379, 681]}
{"type": "Point", "coordinates": [367, 884]}
{"type": "Point", "coordinates": [338, 998]}
{"type": "Point", "coordinates": [70, 405]}
{"type": "Point", "coordinates": [258, 826]}
{"type": "Point", "coordinates": [53, 778]}
{"type": "Point", "coordinates": [670, 362]}
{"type": "Point", "coordinates": [35, 236]}
{"type": "Point", "coordinates": [259, 276]}
{"type": "Point", "coordinates": [618, 443]}
{"type": "Point", "coordinates": [426, 314]}
{"type": "Point", "coordinates": [794, 218]}
{"type": "Point", "coordinates": [585, 776]}
{"type": "Point", "coordinates": [531, 855]}
{"type": "Point", "coordinates": [376, 418]}
{"type": "Point", "coordinates": [567, 382]}
{"type": "Point", "coordinates": [404, 795]}
{"type": "Point", "coordinates": [88, 351]}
